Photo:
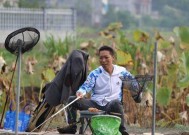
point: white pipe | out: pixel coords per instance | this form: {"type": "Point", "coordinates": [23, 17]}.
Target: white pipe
{"type": "Point", "coordinates": [19, 44]}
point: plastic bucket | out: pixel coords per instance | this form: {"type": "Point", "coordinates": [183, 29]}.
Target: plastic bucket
{"type": "Point", "coordinates": [105, 125]}
{"type": "Point", "coordinates": [10, 120]}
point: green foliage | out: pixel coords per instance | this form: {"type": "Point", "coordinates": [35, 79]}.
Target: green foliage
{"type": "Point", "coordinates": [47, 76]}
{"type": "Point", "coordinates": [31, 3]}
{"type": "Point", "coordinates": [137, 35]}
{"type": "Point", "coordinates": [184, 70]}
{"type": "Point", "coordinates": [125, 45]}
{"type": "Point", "coordinates": [183, 34]}
{"type": "Point", "coordinates": [57, 47]}
{"type": "Point", "coordinates": [7, 55]}
{"type": "Point", "coordinates": [187, 100]}
{"type": "Point", "coordinates": [170, 18]}
{"type": "Point", "coordinates": [163, 44]}
{"type": "Point", "coordinates": [184, 82]}
{"type": "Point", "coordinates": [173, 12]}
{"type": "Point", "coordinates": [147, 20]}
{"type": "Point", "coordinates": [172, 74]}
{"type": "Point", "coordinates": [6, 4]}
{"type": "Point", "coordinates": [159, 4]}
{"type": "Point", "coordinates": [172, 69]}
{"type": "Point", "coordinates": [124, 17]}
{"type": "Point", "coordinates": [163, 96]}
{"type": "Point", "coordinates": [123, 58]}
{"type": "Point", "coordinates": [181, 127]}
{"type": "Point", "coordinates": [184, 65]}
{"type": "Point", "coordinates": [2, 99]}
{"type": "Point", "coordinates": [163, 123]}
{"type": "Point", "coordinates": [83, 8]}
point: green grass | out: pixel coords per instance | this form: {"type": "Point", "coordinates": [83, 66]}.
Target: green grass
{"type": "Point", "coordinates": [27, 79]}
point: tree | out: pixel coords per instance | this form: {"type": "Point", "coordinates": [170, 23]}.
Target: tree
{"type": "Point", "coordinates": [31, 3]}
{"type": "Point", "coordinates": [124, 17]}
{"type": "Point", "coordinates": [7, 4]}
{"type": "Point", "coordinates": [83, 9]}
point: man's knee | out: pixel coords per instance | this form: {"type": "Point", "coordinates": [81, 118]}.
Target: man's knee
{"type": "Point", "coordinates": [114, 106]}
{"type": "Point", "coordinates": [115, 103]}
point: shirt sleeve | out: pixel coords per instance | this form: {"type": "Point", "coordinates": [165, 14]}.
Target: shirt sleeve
{"type": "Point", "coordinates": [88, 85]}
{"type": "Point", "coordinates": [127, 75]}
{"type": "Point", "coordinates": [134, 86]}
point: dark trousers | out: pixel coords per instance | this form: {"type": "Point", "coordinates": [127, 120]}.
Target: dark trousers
{"type": "Point", "coordinates": [113, 107]}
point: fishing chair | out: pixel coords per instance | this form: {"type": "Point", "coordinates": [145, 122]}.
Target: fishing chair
{"type": "Point", "coordinates": [85, 116]}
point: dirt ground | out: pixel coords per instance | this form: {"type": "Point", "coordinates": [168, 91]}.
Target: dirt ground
{"type": "Point", "coordinates": [51, 130]}
{"type": "Point", "coordinates": [132, 130]}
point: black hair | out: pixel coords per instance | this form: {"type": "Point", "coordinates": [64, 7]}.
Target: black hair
{"type": "Point", "coordinates": [107, 48]}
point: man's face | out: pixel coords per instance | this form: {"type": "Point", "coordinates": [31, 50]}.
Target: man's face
{"type": "Point", "coordinates": [105, 59]}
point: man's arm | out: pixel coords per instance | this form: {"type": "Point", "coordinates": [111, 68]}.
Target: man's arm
{"type": "Point", "coordinates": [87, 86]}
{"type": "Point", "coordinates": [130, 83]}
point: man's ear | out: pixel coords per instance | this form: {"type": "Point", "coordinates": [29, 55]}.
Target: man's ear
{"type": "Point", "coordinates": [114, 59]}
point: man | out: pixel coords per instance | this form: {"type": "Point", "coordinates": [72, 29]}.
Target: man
{"type": "Point", "coordinates": [105, 86]}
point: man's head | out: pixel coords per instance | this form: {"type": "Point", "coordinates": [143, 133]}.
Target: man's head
{"type": "Point", "coordinates": [107, 48]}
{"type": "Point", "coordinates": [106, 56]}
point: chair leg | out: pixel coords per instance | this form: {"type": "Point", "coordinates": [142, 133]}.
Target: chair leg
{"type": "Point", "coordinates": [88, 124]}
{"type": "Point", "coordinates": [81, 130]}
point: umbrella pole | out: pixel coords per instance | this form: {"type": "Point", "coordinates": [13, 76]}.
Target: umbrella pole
{"type": "Point", "coordinates": [154, 90]}
{"type": "Point", "coordinates": [18, 90]}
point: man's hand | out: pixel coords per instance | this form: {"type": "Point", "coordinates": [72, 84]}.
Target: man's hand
{"type": "Point", "coordinates": [80, 94]}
